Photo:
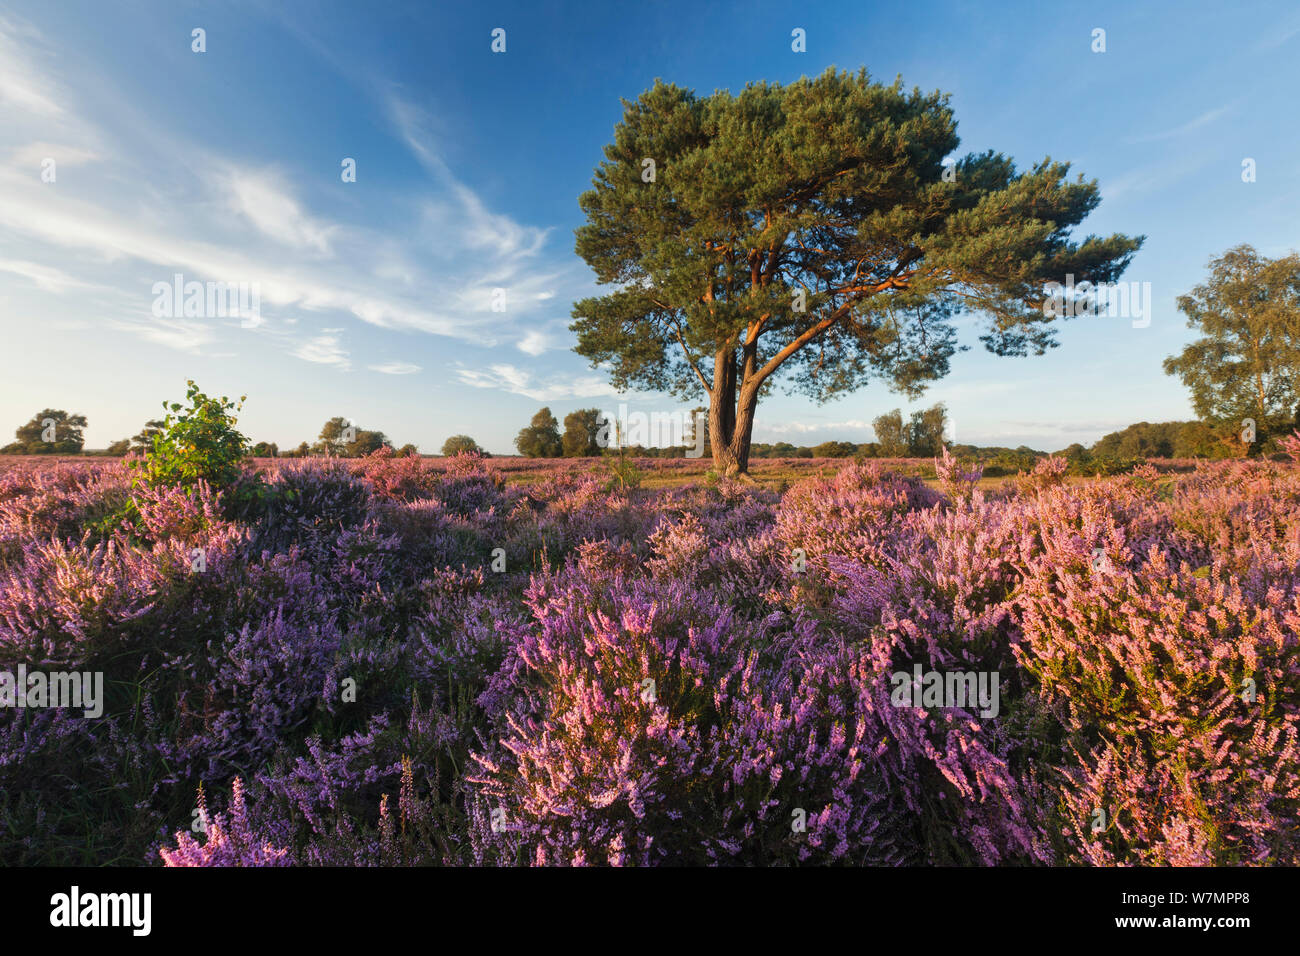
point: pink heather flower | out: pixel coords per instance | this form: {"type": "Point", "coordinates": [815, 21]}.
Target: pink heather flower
{"type": "Point", "coordinates": [229, 841]}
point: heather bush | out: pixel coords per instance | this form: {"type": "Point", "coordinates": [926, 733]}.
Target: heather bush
{"type": "Point", "coordinates": [1046, 473]}
{"type": "Point", "coordinates": [229, 841]}
{"type": "Point", "coordinates": [634, 729]}
{"type": "Point", "coordinates": [852, 512]}
{"type": "Point", "coordinates": [391, 475]}
{"type": "Point", "coordinates": [469, 488]}
{"type": "Point", "coordinates": [307, 503]}
{"type": "Point", "coordinates": [417, 663]}
{"type": "Point", "coordinates": [957, 480]}
{"type": "Point", "coordinates": [1175, 702]}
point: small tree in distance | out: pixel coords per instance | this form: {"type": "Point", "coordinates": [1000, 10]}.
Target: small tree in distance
{"type": "Point", "coordinates": [919, 437]}
{"type": "Point", "coordinates": [834, 449]}
{"type": "Point", "coordinates": [144, 439]}
{"type": "Point", "coordinates": [581, 431]}
{"type": "Point", "coordinates": [1246, 365]}
{"type": "Point", "coordinates": [891, 434]}
{"type": "Point", "coordinates": [51, 431]}
{"type": "Point", "coordinates": [541, 439]}
{"type": "Point", "coordinates": [341, 438]}
{"type": "Point", "coordinates": [460, 445]}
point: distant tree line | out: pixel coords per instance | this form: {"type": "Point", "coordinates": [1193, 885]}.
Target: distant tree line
{"type": "Point", "coordinates": [1243, 373]}
{"type": "Point", "coordinates": [56, 432]}
{"type": "Point", "coordinates": [588, 434]}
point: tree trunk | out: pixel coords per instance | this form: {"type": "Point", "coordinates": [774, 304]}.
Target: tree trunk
{"type": "Point", "coordinates": [744, 428]}
{"type": "Point", "coordinates": [722, 405]}
{"type": "Point", "coordinates": [731, 417]}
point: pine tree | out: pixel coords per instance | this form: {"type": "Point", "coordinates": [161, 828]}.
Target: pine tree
{"type": "Point", "coordinates": [815, 231]}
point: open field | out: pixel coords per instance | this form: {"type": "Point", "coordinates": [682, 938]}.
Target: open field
{"type": "Point", "coordinates": [453, 661]}
{"type": "Point", "coordinates": [771, 473]}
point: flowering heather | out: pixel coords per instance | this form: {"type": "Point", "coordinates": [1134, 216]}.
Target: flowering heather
{"type": "Point", "coordinates": [228, 843]}
{"type": "Point", "coordinates": [468, 661]}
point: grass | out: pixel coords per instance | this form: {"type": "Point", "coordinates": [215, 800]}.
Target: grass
{"type": "Point", "coordinates": [660, 473]}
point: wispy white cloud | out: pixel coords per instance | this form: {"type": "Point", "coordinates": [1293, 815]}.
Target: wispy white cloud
{"type": "Point", "coordinates": [534, 342]}
{"type": "Point", "coordinates": [33, 155]}
{"type": "Point", "coordinates": [481, 228]}
{"type": "Point", "coordinates": [46, 277]}
{"type": "Point", "coordinates": [42, 212]}
{"type": "Point", "coordinates": [805, 428]}
{"type": "Point", "coordinates": [1280, 33]}
{"type": "Point", "coordinates": [517, 381]}
{"type": "Point", "coordinates": [395, 368]}
{"type": "Point", "coordinates": [301, 260]}
{"type": "Point", "coordinates": [1153, 177]}
{"type": "Point", "coordinates": [178, 334]}
{"type": "Point", "coordinates": [1204, 119]}
{"type": "Point", "coordinates": [265, 200]}
{"type": "Point", "coordinates": [23, 87]}
{"type": "Point", "coordinates": [324, 349]}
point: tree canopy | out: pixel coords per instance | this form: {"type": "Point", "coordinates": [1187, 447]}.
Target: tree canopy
{"type": "Point", "coordinates": [541, 439]}
{"type": "Point", "coordinates": [51, 431]}
{"type": "Point", "coordinates": [581, 433]}
{"type": "Point", "coordinates": [1246, 364]}
{"type": "Point", "coordinates": [814, 230]}
{"type": "Point", "coordinates": [460, 445]}
{"type": "Point", "coordinates": [917, 437]}
{"type": "Point", "coordinates": [144, 440]}
{"type": "Point", "coordinates": [342, 438]}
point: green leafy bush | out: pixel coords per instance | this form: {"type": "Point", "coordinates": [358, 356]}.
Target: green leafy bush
{"type": "Point", "coordinates": [195, 443]}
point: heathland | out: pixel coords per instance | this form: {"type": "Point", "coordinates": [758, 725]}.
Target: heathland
{"type": "Point", "coordinates": [468, 660]}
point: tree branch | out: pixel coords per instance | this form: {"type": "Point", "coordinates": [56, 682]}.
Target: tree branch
{"type": "Point", "coordinates": [677, 332]}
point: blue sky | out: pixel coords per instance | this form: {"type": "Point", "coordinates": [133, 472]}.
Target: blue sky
{"type": "Point", "coordinates": [376, 296]}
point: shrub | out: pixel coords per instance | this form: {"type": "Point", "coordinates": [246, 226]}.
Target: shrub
{"type": "Point", "coordinates": [199, 443]}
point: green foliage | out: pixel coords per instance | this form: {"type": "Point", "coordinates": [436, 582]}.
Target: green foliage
{"type": "Point", "coordinates": [460, 445]}
{"type": "Point", "coordinates": [807, 231]}
{"type": "Point", "coordinates": [50, 431]}
{"type": "Point", "coordinates": [108, 520]}
{"type": "Point", "coordinates": [624, 475]}
{"type": "Point", "coordinates": [835, 449]}
{"type": "Point", "coordinates": [1204, 440]}
{"type": "Point", "coordinates": [1247, 362]}
{"type": "Point", "coordinates": [1141, 439]}
{"type": "Point", "coordinates": [198, 442]}
{"type": "Point", "coordinates": [340, 438]}
{"type": "Point", "coordinates": [581, 433]}
{"type": "Point", "coordinates": [891, 434]}
{"type": "Point", "coordinates": [920, 437]}
{"type": "Point", "coordinates": [1103, 466]}
{"type": "Point", "coordinates": [1177, 440]}
{"type": "Point", "coordinates": [541, 439]}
